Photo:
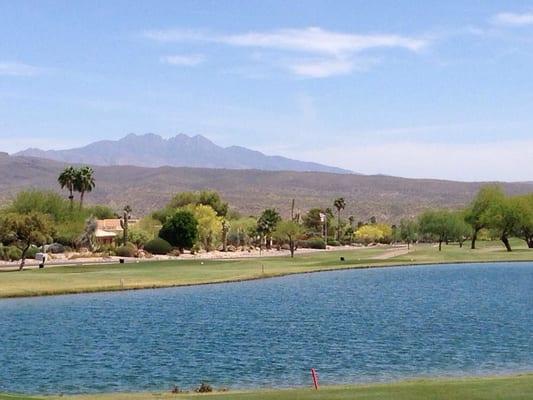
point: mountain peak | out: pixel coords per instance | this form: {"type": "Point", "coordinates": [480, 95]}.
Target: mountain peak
{"type": "Point", "coordinates": [152, 150]}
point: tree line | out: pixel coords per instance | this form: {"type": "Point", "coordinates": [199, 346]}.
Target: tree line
{"type": "Point", "coordinates": [203, 221]}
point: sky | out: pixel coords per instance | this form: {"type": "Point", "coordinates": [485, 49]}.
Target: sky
{"type": "Point", "coordinates": [434, 89]}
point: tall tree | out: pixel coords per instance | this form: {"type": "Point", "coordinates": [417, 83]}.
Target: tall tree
{"type": "Point", "coordinates": [266, 224]}
{"type": "Point", "coordinates": [479, 212]}
{"type": "Point", "coordinates": [209, 224]}
{"type": "Point", "coordinates": [408, 231]}
{"type": "Point", "coordinates": [25, 230]}
{"type": "Point", "coordinates": [204, 197]}
{"type": "Point", "coordinates": [524, 226]}
{"type": "Point", "coordinates": [504, 218]}
{"type": "Point", "coordinates": [438, 225]}
{"type": "Point", "coordinates": [180, 230]}
{"type": "Point", "coordinates": [67, 179]}
{"type": "Point", "coordinates": [339, 204]}
{"type": "Point", "coordinates": [84, 182]}
{"type": "Point", "coordinates": [312, 221]}
{"type": "Point", "coordinates": [289, 231]}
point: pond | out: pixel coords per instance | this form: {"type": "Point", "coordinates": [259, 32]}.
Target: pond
{"type": "Point", "coordinates": [352, 326]}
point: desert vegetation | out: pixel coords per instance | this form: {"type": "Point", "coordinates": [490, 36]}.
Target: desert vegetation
{"type": "Point", "coordinates": [202, 221]}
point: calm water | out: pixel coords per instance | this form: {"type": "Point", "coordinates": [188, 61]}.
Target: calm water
{"type": "Point", "coordinates": [352, 326]}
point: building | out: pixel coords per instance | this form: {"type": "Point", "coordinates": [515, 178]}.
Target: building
{"type": "Point", "coordinates": [108, 230]}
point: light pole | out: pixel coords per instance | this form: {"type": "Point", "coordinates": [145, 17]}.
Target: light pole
{"type": "Point", "coordinates": [324, 220]}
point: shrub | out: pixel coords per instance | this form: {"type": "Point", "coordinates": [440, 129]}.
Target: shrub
{"type": "Point", "coordinates": [333, 243]}
{"type": "Point", "coordinates": [158, 246]}
{"type": "Point", "coordinates": [139, 237]}
{"type": "Point", "coordinates": [55, 248]}
{"type": "Point", "coordinates": [32, 251]}
{"type": "Point", "coordinates": [313, 243]}
{"type": "Point", "coordinates": [204, 388]}
{"type": "Point", "coordinates": [128, 250]}
{"type": "Point", "coordinates": [10, 253]}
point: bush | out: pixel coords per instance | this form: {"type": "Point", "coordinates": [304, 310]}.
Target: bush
{"type": "Point", "coordinates": [204, 388]}
{"type": "Point", "coordinates": [316, 243]}
{"type": "Point", "coordinates": [138, 237]}
{"type": "Point", "coordinates": [333, 243]}
{"type": "Point", "coordinates": [158, 246]}
{"type": "Point", "coordinates": [32, 251]}
{"type": "Point", "coordinates": [10, 253]}
{"type": "Point", "coordinates": [128, 250]}
{"type": "Point", "coordinates": [180, 230]}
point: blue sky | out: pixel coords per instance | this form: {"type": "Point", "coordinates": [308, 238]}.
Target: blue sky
{"type": "Point", "coordinates": [417, 89]}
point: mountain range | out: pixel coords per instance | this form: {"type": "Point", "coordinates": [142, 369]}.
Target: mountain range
{"type": "Point", "coordinates": [151, 150]}
{"type": "Point", "coordinates": [250, 191]}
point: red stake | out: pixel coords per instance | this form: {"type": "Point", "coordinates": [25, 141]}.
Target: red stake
{"type": "Point", "coordinates": [315, 378]}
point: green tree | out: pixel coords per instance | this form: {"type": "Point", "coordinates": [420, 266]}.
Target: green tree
{"type": "Point", "coordinates": [139, 237]}
{"type": "Point", "coordinates": [339, 204]}
{"type": "Point", "coordinates": [524, 226]}
{"type": "Point", "coordinates": [438, 225]}
{"type": "Point", "coordinates": [478, 213]}
{"type": "Point", "coordinates": [408, 231]}
{"type": "Point", "coordinates": [204, 197]}
{"type": "Point", "coordinates": [312, 220]}
{"type": "Point", "coordinates": [504, 218]}
{"type": "Point", "coordinates": [45, 202]}
{"type": "Point", "coordinates": [242, 231]}
{"type": "Point", "coordinates": [460, 230]}
{"type": "Point", "coordinates": [84, 182]}
{"type": "Point", "coordinates": [290, 232]}
{"type": "Point", "coordinates": [25, 230]}
{"type": "Point", "coordinates": [209, 225]}
{"type": "Point", "coordinates": [266, 224]}
{"type": "Point", "coordinates": [180, 230]}
{"type": "Point", "coordinates": [67, 179]}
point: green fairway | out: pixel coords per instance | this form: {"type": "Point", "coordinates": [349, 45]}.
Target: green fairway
{"type": "Point", "coordinates": [152, 274]}
{"type": "Point", "coordinates": [518, 387]}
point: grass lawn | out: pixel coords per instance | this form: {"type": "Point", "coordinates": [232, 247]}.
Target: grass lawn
{"type": "Point", "coordinates": [147, 274]}
{"type": "Point", "coordinates": [487, 388]}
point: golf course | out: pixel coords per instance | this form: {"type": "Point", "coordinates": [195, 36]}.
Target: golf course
{"type": "Point", "coordinates": [157, 274]}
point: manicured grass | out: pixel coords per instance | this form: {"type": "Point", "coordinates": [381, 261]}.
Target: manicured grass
{"type": "Point", "coordinates": [519, 387]}
{"type": "Point", "coordinates": [146, 274]}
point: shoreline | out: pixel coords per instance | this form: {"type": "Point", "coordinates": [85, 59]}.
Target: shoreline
{"type": "Point", "coordinates": [393, 384]}
{"type": "Point", "coordinates": [253, 278]}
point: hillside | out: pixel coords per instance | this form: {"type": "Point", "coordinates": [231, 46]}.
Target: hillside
{"type": "Point", "coordinates": [250, 191]}
{"type": "Point", "coordinates": [180, 151]}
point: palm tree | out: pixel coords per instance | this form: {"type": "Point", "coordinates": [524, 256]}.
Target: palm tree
{"type": "Point", "coordinates": [84, 182]}
{"type": "Point", "coordinates": [339, 204]}
{"type": "Point", "coordinates": [67, 180]}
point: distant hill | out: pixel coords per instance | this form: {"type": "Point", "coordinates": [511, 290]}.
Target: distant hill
{"type": "Point", "coordinates": [180, 151]}
{"type": "Point", "coordinates": [250, 191]}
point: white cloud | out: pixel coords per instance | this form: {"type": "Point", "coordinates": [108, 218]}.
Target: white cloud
{"type": "Point", "coordinates": [336, 50]}
{"type": "Point", "coordinates": [513, 19]}
{"type": "Point", "coordinates": [186, 60]}
{"type": "Point", "coordinates": [309, 40]}
{"type": "Point", "coordinates": [320, 41]}
{"type": "Point", "coordinates": [17, 69]}
{"type": "Point", "coordinates": [506, 161]}
{"type": "Point", "coordinates": [322, 68]}
{"type": "Point", "coordinates": [326, 67]}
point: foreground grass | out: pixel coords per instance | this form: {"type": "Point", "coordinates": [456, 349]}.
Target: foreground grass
{"type": "Point", "coordinates": [519, 387]}
{"type": "Point", "coordinates": [146, 274]}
